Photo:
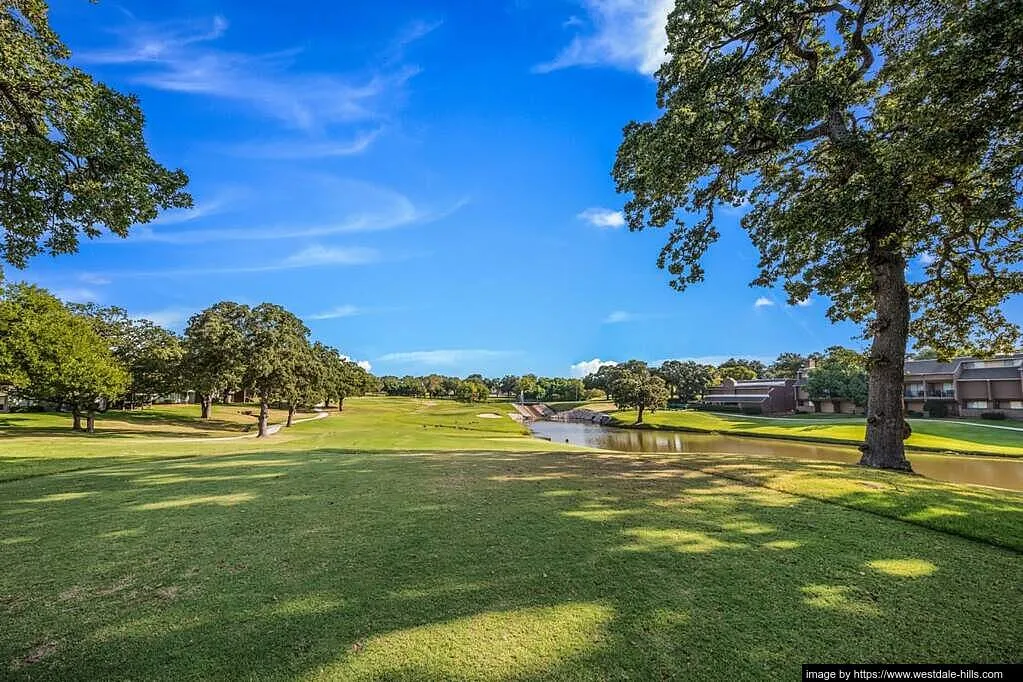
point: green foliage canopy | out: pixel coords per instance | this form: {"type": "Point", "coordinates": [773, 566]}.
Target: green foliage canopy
{"type": "Point", "coordinates": [50, 354]}
{"type": "Point", "coordinates": [73, 158]}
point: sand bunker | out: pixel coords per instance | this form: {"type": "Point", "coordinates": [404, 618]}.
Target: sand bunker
{"type": "Point", "coordinates": [489, 415]}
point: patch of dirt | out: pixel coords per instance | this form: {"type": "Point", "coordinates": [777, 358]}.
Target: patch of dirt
{"type": "Point", "coordinates": [119, 586]}
{"type": "Point", "coordinates": [170, 592]}
{"type": "Point", "coordinates": [488, 415]}
{"type": "Point", "coordinates": [37, 653]}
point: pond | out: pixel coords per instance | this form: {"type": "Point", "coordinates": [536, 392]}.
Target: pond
{"type": "Point", "coordinates": [988, 471]}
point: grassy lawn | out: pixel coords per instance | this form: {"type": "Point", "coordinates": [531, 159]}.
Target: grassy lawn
{"type": "Point", "coordinates": [928, 434]}
{"type": "Point", "coordinates": [40, 443]}
{"type": "Point", "coordinates": [164, 421]}
{"type": "Point", "coordinates": [334, 552]}
{"type": "Point", "coordinates": [33, 443]}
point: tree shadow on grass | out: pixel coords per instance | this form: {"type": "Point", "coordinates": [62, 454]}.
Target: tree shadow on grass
{"type": "Point", "coordinates": [482, 566]}
{"type": "Point", "coordinates": [154, 426]}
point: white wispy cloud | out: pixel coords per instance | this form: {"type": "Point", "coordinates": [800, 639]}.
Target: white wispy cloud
{"type": "Point", "coordinates": [365, 364]}
{"type": "Point", "coordinates": [927, 258]}
{"type": "Point", "coordinates": [602, 217]}
{"type": "Point", "coordinates": [626, 34]}
{"type": "Point", "coordinates": [215, 205]}
{"type": "Point", "coordinates": [77, 295]}
{"type": "Point", "coordinates": [763, 302]}
{"type": "Point", "coordinates": [324, 255]}
{"type": "Point", "coordinates": [307, 149]}
{"type": "Point", "coordinates": [444, 358]}
{"type": "Point", "coordinates": [179, 56]}
{"type": "Point", "coordinates": [581, 369]}
{"type": "Point", "coordinates": [363, 207]}
{"type": "Point", "coordinates": [309, 257]}
{"type": "Point", "coordinates": [619, 316]}
{"type": "Point", "coordinates": [94, 279]}
{"type": "Point", "coordinates": [806, 302]}
{"type": "Point", "coordinates": [338, 312]}
{"type": "Point", "coordinates": [412, 32]}
{"type": "Point", "coordinates": [171, 318]}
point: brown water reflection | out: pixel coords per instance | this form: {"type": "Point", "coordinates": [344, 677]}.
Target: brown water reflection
{"type": "Point", "coordinates": [988, 471]}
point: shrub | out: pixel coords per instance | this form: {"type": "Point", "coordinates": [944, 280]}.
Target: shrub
{"type": "Point", "coordinates": [936, 408]}
{"type": "Point", "coordinates": [992, 415]}
{"type": "Point", "coordinates": [715, 408]}
{"type": "Point", "coordinates": [914, 413]}
{"type": "Point", "coordinates": [751, 409]}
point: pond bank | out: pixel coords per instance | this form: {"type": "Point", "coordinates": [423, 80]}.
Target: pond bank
{"type": "Point", "coordinates": [934, 436]}
{"type": "Point", "coordinates": [997, 472]}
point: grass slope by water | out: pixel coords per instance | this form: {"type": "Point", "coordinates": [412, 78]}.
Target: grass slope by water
{"type": "Point", "coordinates": [938, 435]}
{"type": "Point", "coordinates": [331, 553]}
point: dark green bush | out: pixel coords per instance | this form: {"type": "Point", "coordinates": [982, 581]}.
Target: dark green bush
{"type": "Point", "coordinates": [914, 413]}
{"type": "Point", "coordinates": [936, 408]}
{"type": "Point", "coordinates": [992, 415]}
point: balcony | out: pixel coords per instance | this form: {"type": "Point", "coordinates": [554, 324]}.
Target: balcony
{"type": "Point", "coordinates": [941, 394]}
{"type": "Point", "coordinates": [914, 394]}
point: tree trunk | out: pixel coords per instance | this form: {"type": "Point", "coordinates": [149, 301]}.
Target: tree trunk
{"type": "Point", "coordinates": [264, 417]}
{"type": "Point", "coordinates": [341, 404]}
{"type": "Point", "coordinates": [204, 403]}
{"type": "Point", "coordinates": [226, 396]}
{"type": "Point", "coordinates": [291, 415]}
{"type": "Point", "coordinates": [639, 419]}
{"type": "Point", "coordinates": [90, 421]}
{"type": "Point", "coordinates": [76, 419]}
{"type": "Point", "coordinates": [886, 425]}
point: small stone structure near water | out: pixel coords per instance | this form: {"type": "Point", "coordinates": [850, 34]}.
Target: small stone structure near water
{"type": "Point", "coordinates": [581, 414]}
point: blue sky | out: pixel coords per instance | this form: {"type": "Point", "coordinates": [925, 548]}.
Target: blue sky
{"type": "Point", "coordinates": [427, 184]}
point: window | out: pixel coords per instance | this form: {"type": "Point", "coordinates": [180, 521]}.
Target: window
{"type": "Point", "coordinates": [914, 390]}
{"type": "Point", "coordinates": [1011, 404]}
{"type": "Point", "coordinates": [976, 404]}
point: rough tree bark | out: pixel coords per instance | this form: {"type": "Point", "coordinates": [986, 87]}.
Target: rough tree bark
{"type": "Point", "coordinates": [341, 404]}
{"type": "Point", "coordinates": [291, 415]}
{"type": "Point", "coordinates": [76, 419]}
{"type": "Point", "coordinates": [90, 421]}
{"type": "Point", "coordinates": [639, 417]}
{"type": "Point", "coordinates": [887, 428]}
{"type": "Point", "coordinates": [204, 403]}
{"type": "Point", "coordinates": [264, 417]}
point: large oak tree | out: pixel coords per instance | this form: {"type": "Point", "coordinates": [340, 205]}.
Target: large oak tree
{"type": "Point", "coordinates": [216, 351]}
{"type": "Point", "coordinates": [48, 354]}
{"type": "Point", "coordinates": [863, 134]}
{"type": "Point", "coordinates": [73, 158]}
{"type": "Point", "coordinates": [277, 354]}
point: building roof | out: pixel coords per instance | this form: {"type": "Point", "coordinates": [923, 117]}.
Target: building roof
{"type": "Point", "coordinates": [991, 373]}
{"type": "Point", "coordinates": [934, 366]}
{"type": "Point", "coordinates": [761, 383]}
{"type": "Point", "coordinates": [734, 398]}
{"type": "Point", "coordinates": [917, 367]}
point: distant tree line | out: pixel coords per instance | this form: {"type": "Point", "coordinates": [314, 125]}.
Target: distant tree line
{"type": "Point", "coordinates": [476, 388]}
{"type": "Point", "coordinates": [85, 358]}
{"type": "Point", "coordinates": [838, 373]}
